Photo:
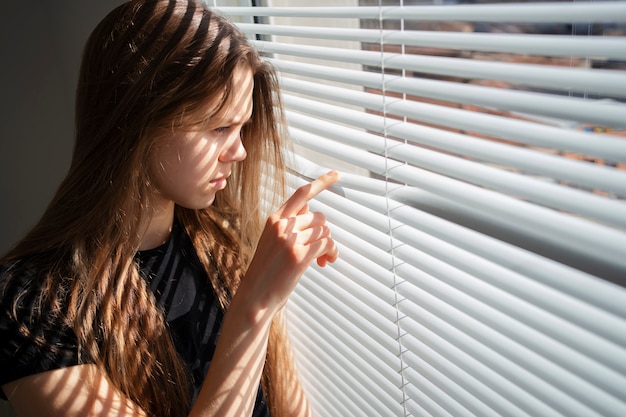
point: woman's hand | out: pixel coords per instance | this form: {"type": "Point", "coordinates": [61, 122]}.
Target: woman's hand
{"type": "Point", "coordinates": [293, 237]}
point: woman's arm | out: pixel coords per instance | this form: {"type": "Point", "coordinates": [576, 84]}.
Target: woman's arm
{"type": "Point", "coordinates": [80, 390]}
{"type": "Point", "coordinates": [291, 240]}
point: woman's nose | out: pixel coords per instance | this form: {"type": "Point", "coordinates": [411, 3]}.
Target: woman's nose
{"type": "Point", "coordinates": [234, 151]}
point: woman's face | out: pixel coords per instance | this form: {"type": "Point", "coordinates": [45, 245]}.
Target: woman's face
{"type": "Point", "coordinates": [190, 167]}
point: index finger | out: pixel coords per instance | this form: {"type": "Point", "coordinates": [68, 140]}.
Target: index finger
{"type": "Point", "coordinates": [304, 194]}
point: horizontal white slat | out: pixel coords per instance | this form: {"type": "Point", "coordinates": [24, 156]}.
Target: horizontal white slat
{"type": "Point", "coordinates": [583, 352]}
{"type": "Point", "coordinates": [602, 112]}
{"type": "Point", "coordinates": [493, 388]}
{"type": "Point", "coordinates": [576, 172]}
{"type": "Point", "coordinates": [323, 399]}
{"type": "Point", "coordinates": [606, 178]}
{"type": "Point", "coordinates": [604, 297]}
{"type": "Point", "coordinates": [353, 326]}
{"type": "Point", "coordinates": [606, 11]}
{"type": "Point", "coordinates": [608, 211]}
{"type": "Point", "coordinates": [359, 311]}
{"type": "Point", "coordinates": [546, 353]}
{"type": "Point", "coordinates": [584, 286]}
{"type": "Point", "coordinates": [341, 373]}
{"type": "Point", "coordinates": [327, 399]}
{"type": "Point", "coordinates": [608, 82]}
{"type": "Point", "coordinates": [500, 227]}
{"type": "Point", "coordinates": [372, 292]}
{"type": "Point", "coordinates": [424, 377]}
{"type": "Point", "coordinates": [379, 165]}
{"type": "Point", "coordinates": [513, 286]}
{"type": "Point", "coordinates": [485, 365]}
{"type": "Point", "coordinates": [363, 249]}
{"type": "Point", "coordinates": [548, 229]}
{"type": "Point", "coordinates": [523, 12]}
{"type": "Point", "coordinates": [378, 357]}
{"type": "Point", "coordinates": [309, 12]}
{"type": "Point", "coordinates": [403, 286]}
{"type": "Point", "coordinates": [338, 352]}
{"type": "Point", "coordinates": [366, 192]}
{"type": "Point", "coordinates": [417, 403]}
{"type": "Point", "coordinates": [361, 352]}
{"type": "Point", "coordinates": [566, 336]}
{"type": "Point", "coordinates": [444, 371]}
{"type": "Point", "coordinates": [605, 245]}
{"type": "Point", "coordinates": [436, 399]}
{"type": "Point", "coordinates": [550, 45]}
{"type": "Point", "coordinates": [613, 148]}
{"type": "Point", "coordinates": [532, 373]}
{"type": "Point", "coordinates": [505, 289]}
{"type": "Point", "coordinates": [357, 366]}
{"type": "Point", "coordinates": [363, 257]}
{"type": "Point", "coordinates": [571, 110]}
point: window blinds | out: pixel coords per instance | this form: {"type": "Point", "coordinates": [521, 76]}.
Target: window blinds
{"type": "Point", "coordinates": [481, 211]}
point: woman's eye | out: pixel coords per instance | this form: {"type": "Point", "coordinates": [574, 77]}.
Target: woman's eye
{"type": "Point", "coordinates": [221, 129]}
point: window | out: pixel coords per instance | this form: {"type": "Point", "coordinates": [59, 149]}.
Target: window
{"type": "Point", "coordinates": [481, 213]}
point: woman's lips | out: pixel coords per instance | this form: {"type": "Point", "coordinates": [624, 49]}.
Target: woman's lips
{"type": "Point", "coordinates": [219, 183]}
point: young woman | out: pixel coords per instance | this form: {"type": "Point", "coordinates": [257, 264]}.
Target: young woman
{"type": "Point", "coordinates": [157, 242]}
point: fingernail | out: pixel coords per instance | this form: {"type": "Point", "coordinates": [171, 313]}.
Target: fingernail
{"type": "Point", "coordinates": [333, 173]}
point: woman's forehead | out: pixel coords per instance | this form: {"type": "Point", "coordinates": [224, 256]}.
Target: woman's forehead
{"type": "Point", "coordinates": [237, 107]}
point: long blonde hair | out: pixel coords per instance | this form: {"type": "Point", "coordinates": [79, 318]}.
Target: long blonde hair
{"type": "Point", "coordinates": [153, 65]}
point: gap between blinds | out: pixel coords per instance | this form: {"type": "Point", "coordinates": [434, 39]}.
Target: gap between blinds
{"type": "Point", "coordinates": [481, 211]}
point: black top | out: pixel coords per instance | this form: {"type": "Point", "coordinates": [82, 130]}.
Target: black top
{"type": "Point", "coordinates": [179, 284]}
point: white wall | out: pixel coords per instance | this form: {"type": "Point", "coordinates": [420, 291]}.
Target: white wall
{"type": "Point", "coordinates": [41, 43]}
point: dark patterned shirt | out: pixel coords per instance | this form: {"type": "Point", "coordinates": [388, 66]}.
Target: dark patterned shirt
{"type": "Point", "coordinates": [180, 285]}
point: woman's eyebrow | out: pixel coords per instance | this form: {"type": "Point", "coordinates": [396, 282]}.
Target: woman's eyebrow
{"type": "Point", "coordinates": [239, 120]}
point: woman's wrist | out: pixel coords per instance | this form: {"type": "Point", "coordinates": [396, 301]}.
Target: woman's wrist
{"type": "Point", "coordinates": [252, 307]}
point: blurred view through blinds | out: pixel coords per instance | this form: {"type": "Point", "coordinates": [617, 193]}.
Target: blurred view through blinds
{"type": "Point", "coordinates": [481, 212]}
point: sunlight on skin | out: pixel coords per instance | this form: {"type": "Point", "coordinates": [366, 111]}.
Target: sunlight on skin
{"type": "Point", "coordinates": [74, 391]}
